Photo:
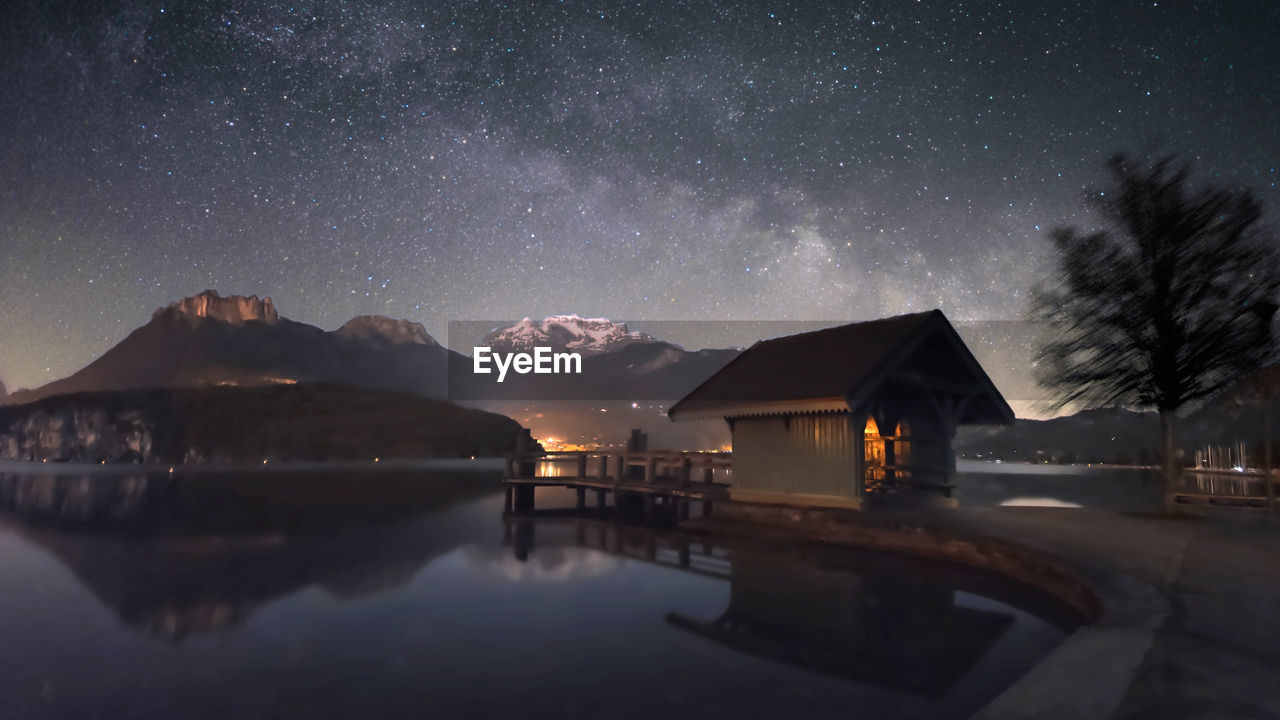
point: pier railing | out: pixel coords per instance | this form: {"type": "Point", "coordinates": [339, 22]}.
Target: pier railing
{"type": "Point", "coordinates": [644, 477]}
{"type": "Point", "coordinates": [646, 466]}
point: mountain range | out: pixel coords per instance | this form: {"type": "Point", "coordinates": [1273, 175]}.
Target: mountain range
{"type": "Point", "coordinates": [208, 340]}
{"type": "Point", "coordinates": [211, 340]}
{"type": "Point", "coordinates": [1113, 435]}
{"type": "Point", "coordinates": [566, 333]}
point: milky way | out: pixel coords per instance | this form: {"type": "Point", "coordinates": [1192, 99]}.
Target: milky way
{"type": "Point", "coordinates": [652, 160]}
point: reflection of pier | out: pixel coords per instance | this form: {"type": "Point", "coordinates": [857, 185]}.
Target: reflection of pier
{"type": "Point", "coordinates": [1222, 488]}
{"type": "Point", "coordinates": [674, 548]}
{"type": "Point", "coordinates": [870, 617]}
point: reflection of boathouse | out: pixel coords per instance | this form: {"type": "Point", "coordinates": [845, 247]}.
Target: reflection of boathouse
{"type": "Point", "coordinates": [828, 417]}
{"type": "Point", "coordinates": [882, 630]}
{"type": "Point", "coordinates": [877, 619]}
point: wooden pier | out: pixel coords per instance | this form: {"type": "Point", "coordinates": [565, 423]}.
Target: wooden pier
{"type": "Point", "coordinates": [648, 477]}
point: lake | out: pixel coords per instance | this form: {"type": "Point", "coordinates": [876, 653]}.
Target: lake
{"type": "Point", "coordinates": [989, 484]}
{"type": "Point", "coordinates": [408, 594]}
{"type": "Point", "coordinates": [1115, 488]}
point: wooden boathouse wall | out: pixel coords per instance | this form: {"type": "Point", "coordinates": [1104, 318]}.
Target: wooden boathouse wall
{"type": "Point", "coordinates": [813, 458]}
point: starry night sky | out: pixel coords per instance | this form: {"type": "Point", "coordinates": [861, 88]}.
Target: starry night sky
{"type": "Point", "coordinates": [648, 160]}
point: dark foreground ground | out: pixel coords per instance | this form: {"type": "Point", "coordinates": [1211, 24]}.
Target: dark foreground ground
{"type": "Point", "coordinates": [1191, 625]}
{"type": "Point", "coordinates": [1190, 605]}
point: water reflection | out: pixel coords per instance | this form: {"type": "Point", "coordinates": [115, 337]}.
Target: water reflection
{"type": "Point", "coordinates": [180, 556]}
{"type": "Point", "coordinates": [1115, 488]}
{"type": "Point", "coordinates": [408, 595]}
{"type": "Point", "coordinates": [874, 618]}
{"type": "Point", "coordinates": [559, 565]}
{"type": "Point", "coordinates": [1039, 502]}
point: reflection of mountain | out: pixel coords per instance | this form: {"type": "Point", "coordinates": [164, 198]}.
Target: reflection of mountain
{"type": "Point", "coordinates": [201, 554]}
{"type": "Point", "coordinates": [561, 564]}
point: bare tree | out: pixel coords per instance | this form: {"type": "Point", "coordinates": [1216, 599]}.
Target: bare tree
{"type": "Point", "coordinates": [1167, 305]}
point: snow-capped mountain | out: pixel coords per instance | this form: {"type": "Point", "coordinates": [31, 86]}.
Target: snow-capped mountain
{"type": "Point", "coordinates": [565, 333]}
{"type": "Point", "coordinates": [617, 363]}
{"type": "Point", "coordinates": [385, 329]}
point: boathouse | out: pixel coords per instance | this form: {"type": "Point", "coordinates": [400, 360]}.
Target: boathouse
{"type": "Point", "coordinates": [832, 417]}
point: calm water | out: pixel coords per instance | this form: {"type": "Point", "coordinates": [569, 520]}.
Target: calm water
{"type": "Point", "coordinates": [1114, 488]}
{"type": "Point", "coordinates": [410, 595]}
{"type": "Point", "coordinates": [985, 484]}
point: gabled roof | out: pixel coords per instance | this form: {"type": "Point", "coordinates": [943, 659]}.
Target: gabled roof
{"type": "Point", "coordinates": [834, 369]}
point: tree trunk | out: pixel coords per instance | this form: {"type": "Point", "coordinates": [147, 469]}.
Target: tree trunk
{"type": "Point", "coordinates": [1172, 468]}
{"type": "Point", "coordinates": [1266, 460]}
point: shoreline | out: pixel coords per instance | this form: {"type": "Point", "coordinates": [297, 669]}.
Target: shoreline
{"type": "Point", "coordinates": [1184, 604]}
{"type": "Point", "coordinates": [62, 468]}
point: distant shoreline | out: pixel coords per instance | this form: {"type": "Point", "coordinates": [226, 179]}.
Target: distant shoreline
{"type": "Point", "coordinates": [1020, 466]}
{"type": "Point", "coordinates": [67, 468]}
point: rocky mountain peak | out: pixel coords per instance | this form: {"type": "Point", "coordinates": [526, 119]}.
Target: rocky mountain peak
{"type": "Point", "coordinates": [231, 309]}
{"type": "Point", "coordinates": [565, 333]}
{"type": "Point", "coordinates": [381, 327]}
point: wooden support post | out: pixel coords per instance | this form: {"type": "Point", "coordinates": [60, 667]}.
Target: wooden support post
{"type": "Point", "coordinates": [523, 541]}
{"type": "Point", "coordinates": [890, 459]}
{"type": "Point", "coordinates": [686, 471]}
{"type": "Point", "coordinates": [650, 470]}
{"type": "Point", "coordinates": [524, 498]}
{"type": "Point", "coordinates": [506, 505]}
{"type": "Point", "coordinates": [600, 498]}
{"type": "Point", "coordinates": [582, 498]}
{"type": "Point", "coordinates": [582, 465]}
{"type": "Point", "coordinates": [709, 473]}
{"type": "Point", "coordinates": [684, 509]}
{"type": "Point", "coordinates": [858, 430]}
{"type": "Point", "coordinates": [602, 472]}
{"type": "Point", "coordinates": [622, 468]}
{"type": "Point", "coordinates": [525, 466]}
